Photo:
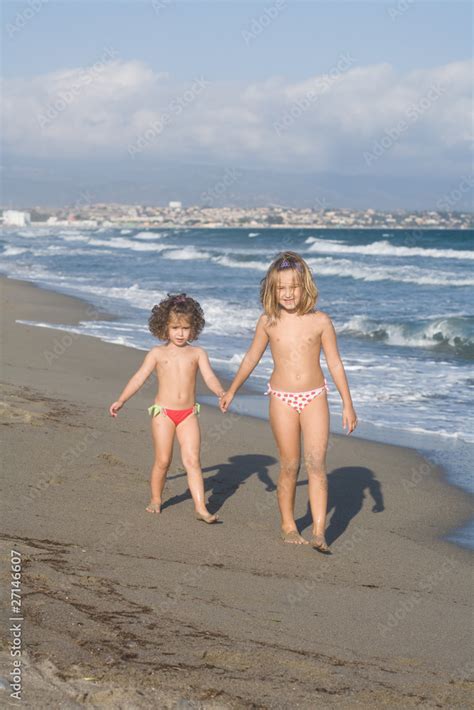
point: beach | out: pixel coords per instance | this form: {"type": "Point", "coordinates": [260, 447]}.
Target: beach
{"type": "Point", "coordinates": [126, 609]}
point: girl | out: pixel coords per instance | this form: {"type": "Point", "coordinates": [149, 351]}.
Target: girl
{"type": "Point", "coordinates": [177, 320]}
{"type": "Point", "coordinates": [297, 388]}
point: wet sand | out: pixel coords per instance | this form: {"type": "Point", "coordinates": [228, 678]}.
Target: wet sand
{"type": "Point", "coordinates": [125, 609]}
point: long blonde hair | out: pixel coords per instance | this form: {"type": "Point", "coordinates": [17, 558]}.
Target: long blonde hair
{"type": "Point", "coordinates": [269, 284]}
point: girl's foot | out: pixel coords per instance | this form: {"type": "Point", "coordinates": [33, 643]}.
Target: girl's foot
{"type": "Point", "coordinates": [320, 544]}
{"type": "Point", "coordinates": [207, 517]}
{"type": "Point", "coordinates": [294, 537]}
{"type": "Point", "coordinates": [153, 508]}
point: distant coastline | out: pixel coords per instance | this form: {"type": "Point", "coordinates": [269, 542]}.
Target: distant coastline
{"type": "Point", "coordinates": [122, 216]}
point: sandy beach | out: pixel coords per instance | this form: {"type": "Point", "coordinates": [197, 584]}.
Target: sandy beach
{"type": "Point", "coordinates": [125, 609]}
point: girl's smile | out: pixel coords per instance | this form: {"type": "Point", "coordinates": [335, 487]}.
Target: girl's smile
{"type": "Point", "coordinates": [289, 290]}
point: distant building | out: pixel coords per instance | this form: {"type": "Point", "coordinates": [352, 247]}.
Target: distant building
{"type": "Point", "coordinates": [175, 205]}
{"type": "Point", "coordinates": [15, 218]}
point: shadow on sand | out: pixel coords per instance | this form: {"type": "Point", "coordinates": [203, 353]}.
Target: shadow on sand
{"type": "Point", "coordinates": [347, 487]}
{"type": "Point", "coordinates": [346, 494]}
{"type": "Point", "coordinates": [228, 478]}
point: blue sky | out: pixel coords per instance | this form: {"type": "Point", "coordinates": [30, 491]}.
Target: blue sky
{"type": "Point", "coordinates": [373, 89]}
{"type": "Point", "coordinates": [185, 37]}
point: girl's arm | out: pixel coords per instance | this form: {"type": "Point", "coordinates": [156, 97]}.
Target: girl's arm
{"type": "Point", "coordinates": [208, 374]}
{"type": "Point", "coordinates": [338, 374]}
{"type": "Point", "coordinates": [135, 382]}
{"type": "Point", "coordinates": [250, 361]}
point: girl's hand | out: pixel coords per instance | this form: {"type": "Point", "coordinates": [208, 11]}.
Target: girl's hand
{"type": "Point", "coordinates": [225, 400]}
{"type": "Point", "coordinates": [349, 419]}
{"type": "Point", "coordinates": [114, 408]}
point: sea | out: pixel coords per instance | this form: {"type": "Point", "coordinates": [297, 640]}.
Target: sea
{"type": "Point", "coordinates": [400, 300]}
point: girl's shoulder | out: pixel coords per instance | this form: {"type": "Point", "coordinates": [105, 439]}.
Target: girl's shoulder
{"type": "Point", "coordinates": [317, 319]}
{"type": "Point", "coordinates": [322, 315]}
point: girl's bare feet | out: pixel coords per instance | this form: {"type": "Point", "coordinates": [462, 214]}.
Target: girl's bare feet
{"type": "Point", "coordinates": [207, 517]}
{"type": "Point", "coordinates": [319, 543]}
{"type": "Point", "coordinates": [294, 537]}
{"type": "Point", "coordinates": [153, 507]}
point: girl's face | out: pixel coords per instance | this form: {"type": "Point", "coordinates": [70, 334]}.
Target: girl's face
{"type": "Point", "coordinates": [179, 329]}
{"type": "Point", "coordinates": [288, 289]}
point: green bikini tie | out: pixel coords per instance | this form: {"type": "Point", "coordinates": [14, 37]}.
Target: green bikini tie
{"type": "Point", "coordinates": [156, 409]}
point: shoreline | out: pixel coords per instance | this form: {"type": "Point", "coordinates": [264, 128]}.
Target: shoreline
{"type": "Point", "coordinates": [121, 606]}
{"type": "Point", "coordinates": [418, 228]}
{"type": "Point", "coordinates": [92, 312]}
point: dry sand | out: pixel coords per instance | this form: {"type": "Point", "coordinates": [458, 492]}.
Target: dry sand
{"type": "Point", "coordinates": [125, 609]}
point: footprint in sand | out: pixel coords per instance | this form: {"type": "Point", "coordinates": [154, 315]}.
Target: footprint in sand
{"type": "Point", "coordinates": [12, 414]}
{"type": "Point", "coordinates": [110, 459]}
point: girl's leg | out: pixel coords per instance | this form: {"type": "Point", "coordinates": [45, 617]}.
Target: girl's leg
{"type": "Point", "coordinates": [162, 430]}
{"type": "Point", "coordinates": [189, 437]}
{"type": "Point", "coordinates": [315, 426]}
{"type": "Point", "coordinates": [287, 432]}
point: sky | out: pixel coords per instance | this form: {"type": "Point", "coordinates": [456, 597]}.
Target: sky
{"type": "Point", "coordinates": [380, 89]}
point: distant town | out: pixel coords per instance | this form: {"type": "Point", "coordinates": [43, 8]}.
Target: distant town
{"type": "Point", "coordinates": [176, 215]}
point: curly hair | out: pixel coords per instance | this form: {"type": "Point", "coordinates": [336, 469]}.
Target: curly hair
{"type": "Point", "coordinates": [181, 305]}
{"type": "Point", "coordinates": [268, 285]}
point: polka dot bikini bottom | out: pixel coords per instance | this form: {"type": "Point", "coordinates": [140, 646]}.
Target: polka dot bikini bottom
{"type": "Point", "coordinates": [298, 400]}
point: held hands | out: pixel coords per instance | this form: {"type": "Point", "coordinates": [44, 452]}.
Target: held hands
{"type": "Point", "coordinates": [349, 419]}
{"type": "Point", "coordinates": [225, 400]}
{"type": "Point", "coordinates": [114, 408]}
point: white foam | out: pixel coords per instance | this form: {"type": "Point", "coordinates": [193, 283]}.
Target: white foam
{"type": "Point", "coordinates": [13, 251]}
{"type": "Point", "coordinates": [450, 330]}
{"type": "Point", "coordinates": [327, 266]}
{"type": "Point", "coordinates": [116, 243]}
{"type": "Point", "coordinates": [189, 253]}
{"type": "Point", "coordinates": [384, 248]}
{"type": "Point", "coordinates": [150, 235]}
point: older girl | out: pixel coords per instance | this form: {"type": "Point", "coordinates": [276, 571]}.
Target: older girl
{"type": "Point", "coordinates": [297, 388]}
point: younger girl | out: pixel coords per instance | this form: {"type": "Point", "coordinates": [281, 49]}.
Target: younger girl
{"type": "Point", "coordinates": [176, 320]}
{"type": "Point", "coordinates": [297, 388]}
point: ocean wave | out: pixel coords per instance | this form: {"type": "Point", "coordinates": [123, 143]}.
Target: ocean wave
{"type": "Point", "coordinates": [384, 248]}
{"type": "Point", "coordinates": [84, 328]}
{"type": "Point", "coordinates": [236, 264]}
{"type": "Point", "coordinates": [13, 251]}
{"type": "Point", "coordinates": [116, 243]}
{"type": "Point", "coordinates": [190, 253]}
{"type": "Point", "coordinates": [344, 268]}
{"type": "Point", "coordinates": [451, 334]}
{"type": "Point", "coordinates": [229, 318]}
{"type": "Point", "coordinates": [150, 235]}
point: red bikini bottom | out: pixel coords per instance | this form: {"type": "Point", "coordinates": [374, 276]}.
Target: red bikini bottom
{"type": "Point", "coordinates": [176, 415]}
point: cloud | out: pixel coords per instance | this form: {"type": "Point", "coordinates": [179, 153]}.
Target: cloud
{"type": "Point", "coordinates": [329, 121]}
